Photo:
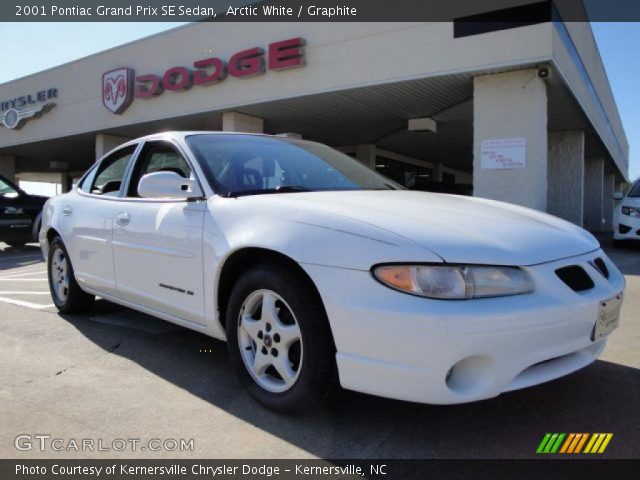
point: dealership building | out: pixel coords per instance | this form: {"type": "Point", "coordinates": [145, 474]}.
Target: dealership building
{"type": "Point", "coordinates": [524, 114]}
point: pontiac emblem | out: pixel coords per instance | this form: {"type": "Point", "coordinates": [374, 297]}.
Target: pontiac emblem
{"type": "Point", "coordinates": [15, 118]}
{"type": "Point", "coordinates": [117, 89]}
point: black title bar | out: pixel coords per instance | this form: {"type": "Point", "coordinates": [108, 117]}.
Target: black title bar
{"type": "Point", "coordinates": [522, 11]}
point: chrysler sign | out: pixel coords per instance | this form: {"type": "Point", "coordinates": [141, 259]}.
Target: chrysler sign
{"type": "Point", "coordinates": [121, 86]}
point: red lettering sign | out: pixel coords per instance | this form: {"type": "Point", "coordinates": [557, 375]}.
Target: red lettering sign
{"type": "Point", "coordinates": [208, 71]}
{"type": "Point", "coordinates": [247, 63]}
{"type": "Point", "coordinates": [286, 54]}
{"type": "Point", "coordinates": [200, 76]}
{"type": "Point", "coordinates": [177, 78]}
{"type": "Point", "coordinates": [148, 86]}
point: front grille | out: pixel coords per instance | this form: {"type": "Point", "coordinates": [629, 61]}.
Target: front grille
{"type": "Point", "coordinates": [623, 228]}
{"type": "Point", "coordinates": [600, 265]}
{"type": "Point", "coordinates": [575, 277]}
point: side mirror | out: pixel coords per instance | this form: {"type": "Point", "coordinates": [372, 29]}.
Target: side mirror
{"type": "Point", "coordinates": [618, 196]}
{"type": "Point", "coordinates": [168, 185]}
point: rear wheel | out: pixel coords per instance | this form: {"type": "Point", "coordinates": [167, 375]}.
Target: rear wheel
{"type": "Point", "coordinates": [65, 291]}
{"type": "Point", "coordinates": [279, 339]}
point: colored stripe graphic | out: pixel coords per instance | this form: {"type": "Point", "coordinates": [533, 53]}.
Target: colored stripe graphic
{"type": "Point", "coordinates": [573, 443]}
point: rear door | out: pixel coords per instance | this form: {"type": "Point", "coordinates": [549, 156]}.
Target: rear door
{"type": "Point", "coordinates": [86, 221]}
{"type": "Point", "coordinates": [157, 242]}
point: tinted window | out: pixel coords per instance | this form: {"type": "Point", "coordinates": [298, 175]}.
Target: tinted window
{"type": "Point", "coordinates": [7, 190]}
{"type": "Point", "coordinates": [158, 157]}
{"type": "Point", "coordinates": [245, 164]}
{"type": "Point", "coordinates": [110, 173]}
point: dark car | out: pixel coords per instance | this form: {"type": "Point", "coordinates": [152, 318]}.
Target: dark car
{"type": "Point", "coordinates": [19, 214]}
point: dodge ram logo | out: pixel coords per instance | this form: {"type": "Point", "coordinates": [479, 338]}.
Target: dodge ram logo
{"type": "Point", "coordinates": [117, 89]}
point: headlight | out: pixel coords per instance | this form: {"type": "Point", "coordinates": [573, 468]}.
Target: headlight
{"type": "Point", "coordinates": [454, 282]}
{"type": "Point", "coordinates": [632, 212]}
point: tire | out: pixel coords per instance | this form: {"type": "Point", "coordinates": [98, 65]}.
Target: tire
{"type": "Point", "coordinates": [17, 243]}
{"type": "Point", "coordinates": [67, 295]}
{"type": "Point", "coordinates": [311, 358]}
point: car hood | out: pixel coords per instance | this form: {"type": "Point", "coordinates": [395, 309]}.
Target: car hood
{"type": "Point", "coordinates": [458, 229]}
{"type": "Point", "coordinates": [631, 202]}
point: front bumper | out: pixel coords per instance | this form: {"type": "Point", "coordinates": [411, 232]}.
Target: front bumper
{"type": "Point", "coordinates": [400, 346]}
{"type": "Point", "coordinates": [626, 228]}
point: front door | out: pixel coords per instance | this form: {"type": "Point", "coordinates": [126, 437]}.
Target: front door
{"type": "Point", "coordinates": [157, 243]}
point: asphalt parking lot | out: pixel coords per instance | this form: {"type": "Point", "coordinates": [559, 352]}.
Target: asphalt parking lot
{"type": "Point", "coordinates": [115, 373]}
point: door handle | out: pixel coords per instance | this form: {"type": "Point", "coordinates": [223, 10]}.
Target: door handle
{"type": "Point", "coordinates": [123, 219]}
{"type": "Point", "coordinates": [67, 210]}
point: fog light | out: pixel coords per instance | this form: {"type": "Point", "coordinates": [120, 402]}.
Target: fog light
{"type": "Point", "coordinates": [470, 376]}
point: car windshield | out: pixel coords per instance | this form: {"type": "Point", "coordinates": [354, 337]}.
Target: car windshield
{"type": "Point", "coordinates": [249, 165]}
{"type": "Point", "coordinates": [635, 190]}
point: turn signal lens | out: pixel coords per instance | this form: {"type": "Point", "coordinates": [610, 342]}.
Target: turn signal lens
{"type": "Point", "coordinates": [455, 282]}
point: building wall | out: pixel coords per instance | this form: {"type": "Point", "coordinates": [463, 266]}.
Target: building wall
{"type": "Point", "coordinates": [512, 105]}
{"type": "Point", "coordinates": [603, 113]}
{"type": "Point", "coordinates": [565, 175]}
{"type": "Point", "coordinates": [385, 52]}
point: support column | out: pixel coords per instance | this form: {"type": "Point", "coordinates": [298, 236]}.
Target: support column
{"type": "Point", "coordinates": [239, 122]}
{"type": "Point", "coordinates": [506, 106]}
{"type": "Point", "coordinates": [593, 193]}
{"type": "Point", "coordinates": [437, 172]}
{"type": "Point", "coordinates": [106, 143]}
{"type": "Point", "coordinates": [8, 167]}
{"type": "Point", "coordinates": [565, 175]}
{"type": "Point", "coordinates": [608, 189]}
{"type": "Point", "coordinates": [366, 153]}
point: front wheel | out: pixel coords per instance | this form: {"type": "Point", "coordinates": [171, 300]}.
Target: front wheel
{"type": "Point", "coordinates": [65, 291]}
{"type": "Point", "coordinates": [279, 339]}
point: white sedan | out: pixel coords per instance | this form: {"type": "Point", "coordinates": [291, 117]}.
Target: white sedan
{"type": "Point", "coordinates": [626, 216]}
{"type": "Point", "coordinates": [317, 270]}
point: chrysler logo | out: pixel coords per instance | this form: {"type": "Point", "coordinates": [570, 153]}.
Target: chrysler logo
{"type": "Point", "coordinates": [117, 89]}
{"type": "Point", "coordinates": [15, 118]}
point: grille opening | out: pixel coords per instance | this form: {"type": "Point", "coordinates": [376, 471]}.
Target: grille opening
{"type": "Point", "coordinates": [623, 228]}
{"type": "Point", "coordinates": [575, 278]}
{"type": "Point", "coordinates": [602, 267]}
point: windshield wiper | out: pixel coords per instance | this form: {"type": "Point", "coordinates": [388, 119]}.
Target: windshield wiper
{"type": "Point", "coordinates": [291, 188]}
{"type": "Point", "coordinates": [280, 189]}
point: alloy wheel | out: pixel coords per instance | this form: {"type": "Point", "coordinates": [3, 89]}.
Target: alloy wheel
{"type": "Point", "coordinates": [270, 341]}
{"type": "Point", "coordinates": [60, 274]}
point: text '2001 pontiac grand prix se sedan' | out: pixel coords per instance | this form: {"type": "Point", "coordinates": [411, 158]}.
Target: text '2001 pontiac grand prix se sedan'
{"type": "Point", "coordinates": [316, 269]}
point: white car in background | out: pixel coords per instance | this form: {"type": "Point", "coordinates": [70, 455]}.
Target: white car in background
{"type": "Point", "coordinates": [626, 216]}
{"type": "Point", "coordinates": [316, 269]}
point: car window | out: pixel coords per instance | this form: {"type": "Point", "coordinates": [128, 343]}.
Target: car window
{"type": "Point", "coordinates": [7, 190]}
{"type": "Point", "coordinates": [110, 173]}
{"type": "Point", "coordinates": [249, 165]}
{"type": "Point", "coordinates": [157, 157]}
{"type": "Point", "coordinates": [85, 183]}
{"type": "Point", "coordinates": [635, 190]}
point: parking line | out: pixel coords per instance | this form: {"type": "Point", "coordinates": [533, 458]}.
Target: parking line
{"type": "Point", "coordinates": [22, 303]}
{"type": "Point", "coordinates": [35, 272]}
{"type": "Point", "coordinates": [3, 258]}
{"type": "Point", "coordinates": [25, 293]}
{"type": "Point", "coordinates": [23, 279]}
